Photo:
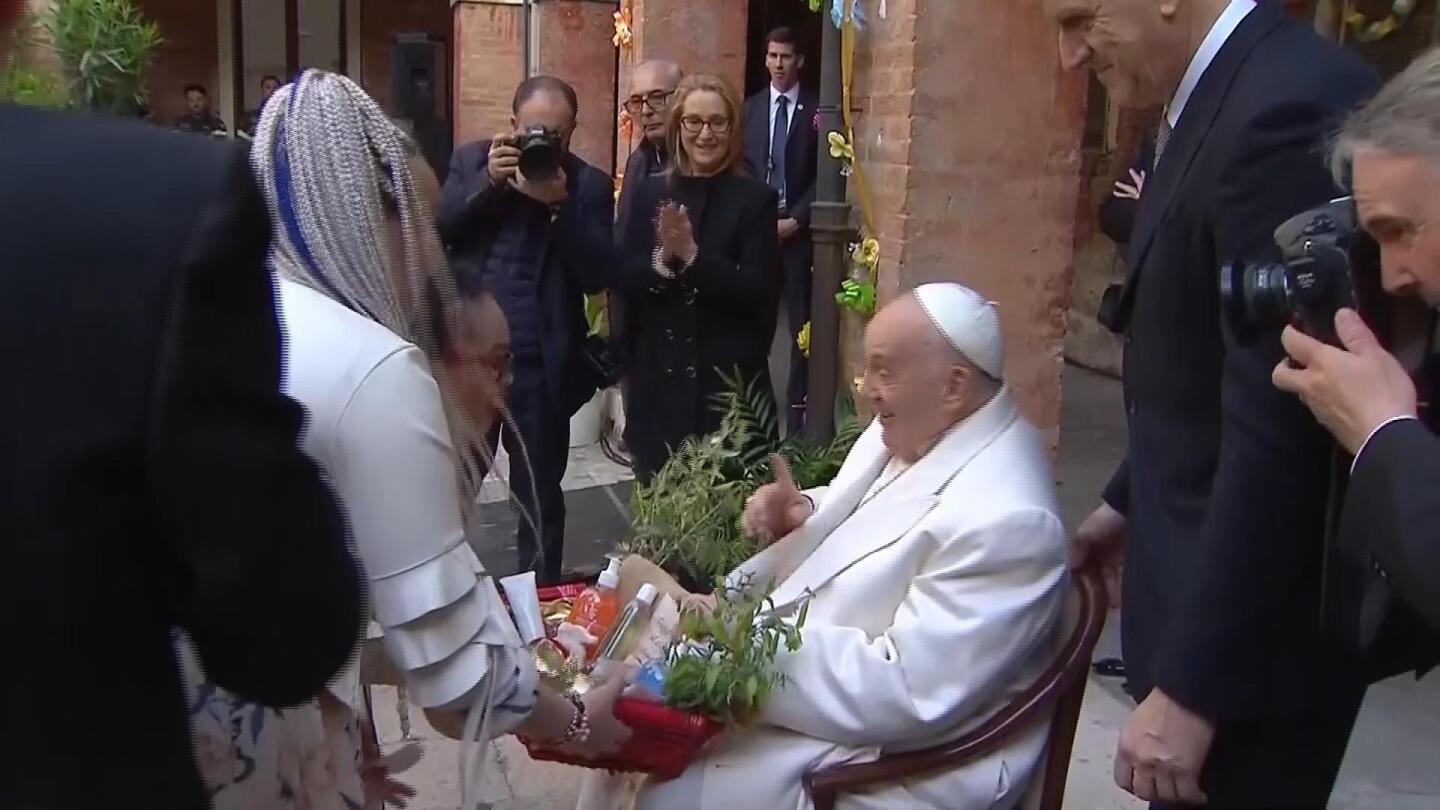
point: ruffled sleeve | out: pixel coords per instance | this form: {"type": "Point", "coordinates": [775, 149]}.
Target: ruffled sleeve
{"type": "Point", "coordinates": [441, 614]}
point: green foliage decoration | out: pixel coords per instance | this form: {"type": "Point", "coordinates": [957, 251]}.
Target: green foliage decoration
{"type": "Point", "coordinates": [105, 48]}
{"type": "Point", "coordinates": [725, 666]}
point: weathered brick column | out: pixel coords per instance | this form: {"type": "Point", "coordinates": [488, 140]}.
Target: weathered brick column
{"type": "Point", "coordinates": [970, 133]}
{"type": "Point", "coordinates": [489, 58]}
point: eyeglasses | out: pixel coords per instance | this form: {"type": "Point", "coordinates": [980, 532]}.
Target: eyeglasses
{"type": "Point", "coordinates": [694, 123]}
{"type": "Point", "coordinates": [657, 101]}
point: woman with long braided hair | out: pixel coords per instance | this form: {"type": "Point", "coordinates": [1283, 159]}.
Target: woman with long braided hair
{"type": "Point", "coordinates": [399, 377]}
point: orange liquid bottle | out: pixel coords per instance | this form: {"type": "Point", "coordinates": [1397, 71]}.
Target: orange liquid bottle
{"type": "Point", "coordinates": [597, 607]}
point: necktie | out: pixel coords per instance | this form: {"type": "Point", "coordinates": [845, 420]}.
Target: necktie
{"type": "Point", "coordinates": [1162, 139]}
{"type": "Point", "coordinates": [778, 139]}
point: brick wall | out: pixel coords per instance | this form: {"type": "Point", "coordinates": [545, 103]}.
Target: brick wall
{"type": "Point", "coordinates": [489, 63]}
{"type": "Point", "coordinates": [575, 45]}
{"type": "Point", "coordinates": [189, 54]}
{"type": "Point", "coordinates": [702, 36]}
{"type": "Point", "coordinates": [971, 136]}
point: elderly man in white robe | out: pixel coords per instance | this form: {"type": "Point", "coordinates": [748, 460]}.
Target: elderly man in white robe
{"type": "Point", "coordinates": [935, 568]}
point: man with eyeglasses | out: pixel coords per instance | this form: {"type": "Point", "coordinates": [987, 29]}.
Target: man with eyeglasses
{"type": "Point", "coordinates": [781, 145]}
{"type": "Point", "coordinates": [652, 85]}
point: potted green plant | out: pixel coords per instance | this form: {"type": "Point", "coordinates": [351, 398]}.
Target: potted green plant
{"type": "Point", "coordinates": [104, 47]}
{"type": "Point", "coordinates": [688, 520]}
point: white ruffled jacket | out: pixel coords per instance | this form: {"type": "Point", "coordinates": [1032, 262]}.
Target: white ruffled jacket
{"type": "Point", "coordinates": [376, 424]}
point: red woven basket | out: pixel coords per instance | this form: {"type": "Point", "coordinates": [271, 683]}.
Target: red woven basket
{"type": "Point", "coordinates": [664, 744]}
{"type": "Point", "coordinates": [665, 741]}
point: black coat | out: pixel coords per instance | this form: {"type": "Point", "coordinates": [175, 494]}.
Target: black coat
{"type": "Point", "coordinates": [1225, 481]}
{"type": "Point", "coordinates": [716, 317]}
{"type": "Point", "coordinates": [151, 475]}
{"type": "Point", "coordinates": [1391, 522]}
{"type": "Point", "coordinates": [579, 255]}
{"type": "Point", "coordinates": [1117, 214]}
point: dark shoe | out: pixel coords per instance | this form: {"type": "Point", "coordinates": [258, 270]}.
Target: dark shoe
{"type": "Point", "coordinates": [1109, 667]}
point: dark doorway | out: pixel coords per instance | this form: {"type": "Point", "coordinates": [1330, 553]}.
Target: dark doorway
{"type": "Point", "coordinates": [766, 15]}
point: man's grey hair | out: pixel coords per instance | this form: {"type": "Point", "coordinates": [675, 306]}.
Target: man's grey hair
{"type": "Point", "coordinates": [1402, 119]}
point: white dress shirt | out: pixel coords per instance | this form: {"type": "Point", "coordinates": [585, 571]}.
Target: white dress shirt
{"type": "Point", "coordinates": [1224, 26]}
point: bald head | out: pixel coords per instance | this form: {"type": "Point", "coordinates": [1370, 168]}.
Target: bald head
{"type": "Point", "coordinates": [657, 72]}
{"type": "Point", "coordinates": [916, 380]}
{"type": "Point", "coordinates": [652, 85]}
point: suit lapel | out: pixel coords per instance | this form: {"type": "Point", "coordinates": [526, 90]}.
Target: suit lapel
{"type": "Point", "coordinates": [1185, 142]}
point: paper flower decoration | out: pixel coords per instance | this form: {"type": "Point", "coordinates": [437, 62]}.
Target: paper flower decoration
{"type": "Point", "coordinates": [624, 36]}
{"type": "Point", "coordinates": [867, 254]}
{"type": "Point", "coordinates": [857, 296]}
{"type": "Point", "coordinates": [840, 147]}
{"type": "Point", "coordinates": [802, 340]}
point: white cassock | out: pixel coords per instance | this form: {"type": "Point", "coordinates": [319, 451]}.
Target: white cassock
{"type": "Point", "coordinates": [937, 591]}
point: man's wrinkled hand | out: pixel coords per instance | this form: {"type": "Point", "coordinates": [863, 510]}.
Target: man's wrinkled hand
{"type": "Point", "coordinates": [545, 192]}
{"type": "Point", "coordinates": [776, 509]}
{"type": "Point", "coordinates": [1162, 751]}
{"type": "Point", "coordinates": [1351, 391]}
{"type": "Point", "coordinates": [1100, 541]}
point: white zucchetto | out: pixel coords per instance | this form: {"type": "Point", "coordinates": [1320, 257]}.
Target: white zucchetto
{"type": "Point", "coordinates": [968, 321]}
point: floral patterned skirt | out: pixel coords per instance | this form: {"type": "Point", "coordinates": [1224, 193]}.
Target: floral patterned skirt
{"type": "Point", "coordinates": [256, 758]}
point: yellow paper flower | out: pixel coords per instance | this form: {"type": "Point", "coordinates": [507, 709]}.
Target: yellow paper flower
{"type": "Point", "coordinates": [867, 253]}
{"type": "Point", "coordinates": [624, 36]}
{"type": "Point", "coordinates": [840, 147]}
{"type": "Point", "coordinates": [802, 340]}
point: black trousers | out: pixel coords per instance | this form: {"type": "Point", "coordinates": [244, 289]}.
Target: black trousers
{"type": "Point", "coordinates": [1285, 763]}
{"type": "Point", "coordinates": [545, 431]}
{"type": "Point", "coordinates": [797, 256]}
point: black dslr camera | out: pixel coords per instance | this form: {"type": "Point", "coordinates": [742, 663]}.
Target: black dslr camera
{"type": "Point", "coordinates": [540, 153]}
{"type": "Point", "coordinates": [1327, 264]}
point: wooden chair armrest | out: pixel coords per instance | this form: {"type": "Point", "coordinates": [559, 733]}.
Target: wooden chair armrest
{"type": "Point", "coordinates": [1035, 704]}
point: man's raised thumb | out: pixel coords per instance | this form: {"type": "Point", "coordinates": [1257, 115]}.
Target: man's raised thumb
{"type": "Point", "coordinates": [1354, 334]}
{"type": "Point", "coordinates": [782, 472]}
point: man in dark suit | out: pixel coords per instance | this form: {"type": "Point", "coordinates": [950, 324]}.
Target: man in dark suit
{"type": "Point", "coordinates": [781, 143]}
{"type": "Point", "coordinates": [1218, 512]}
{"type": "Point", "coordinates": [152, 478]}
{"type": "Point", "coordinates": [652, 86]}
{"type": "Point", "coordinates": [1361, 391]}
{"type": "Point", "coordinates": [542, 244]}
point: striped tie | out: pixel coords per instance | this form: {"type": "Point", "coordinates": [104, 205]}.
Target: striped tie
{"type": "Point", "coordinates": [1162, 139]}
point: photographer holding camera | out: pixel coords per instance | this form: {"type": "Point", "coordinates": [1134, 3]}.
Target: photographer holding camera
{"type": "Point", "coordinates": [1389, 151]}
{"type": "Point", "coordinates": [534, 222]}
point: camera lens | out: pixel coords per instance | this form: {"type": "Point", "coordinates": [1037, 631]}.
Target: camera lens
{"type": "Point", "coordinates": [1256, 298]}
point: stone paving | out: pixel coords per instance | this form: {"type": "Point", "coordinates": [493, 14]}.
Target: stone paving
{"type": "Point", "coordinates": [1391, 762]}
